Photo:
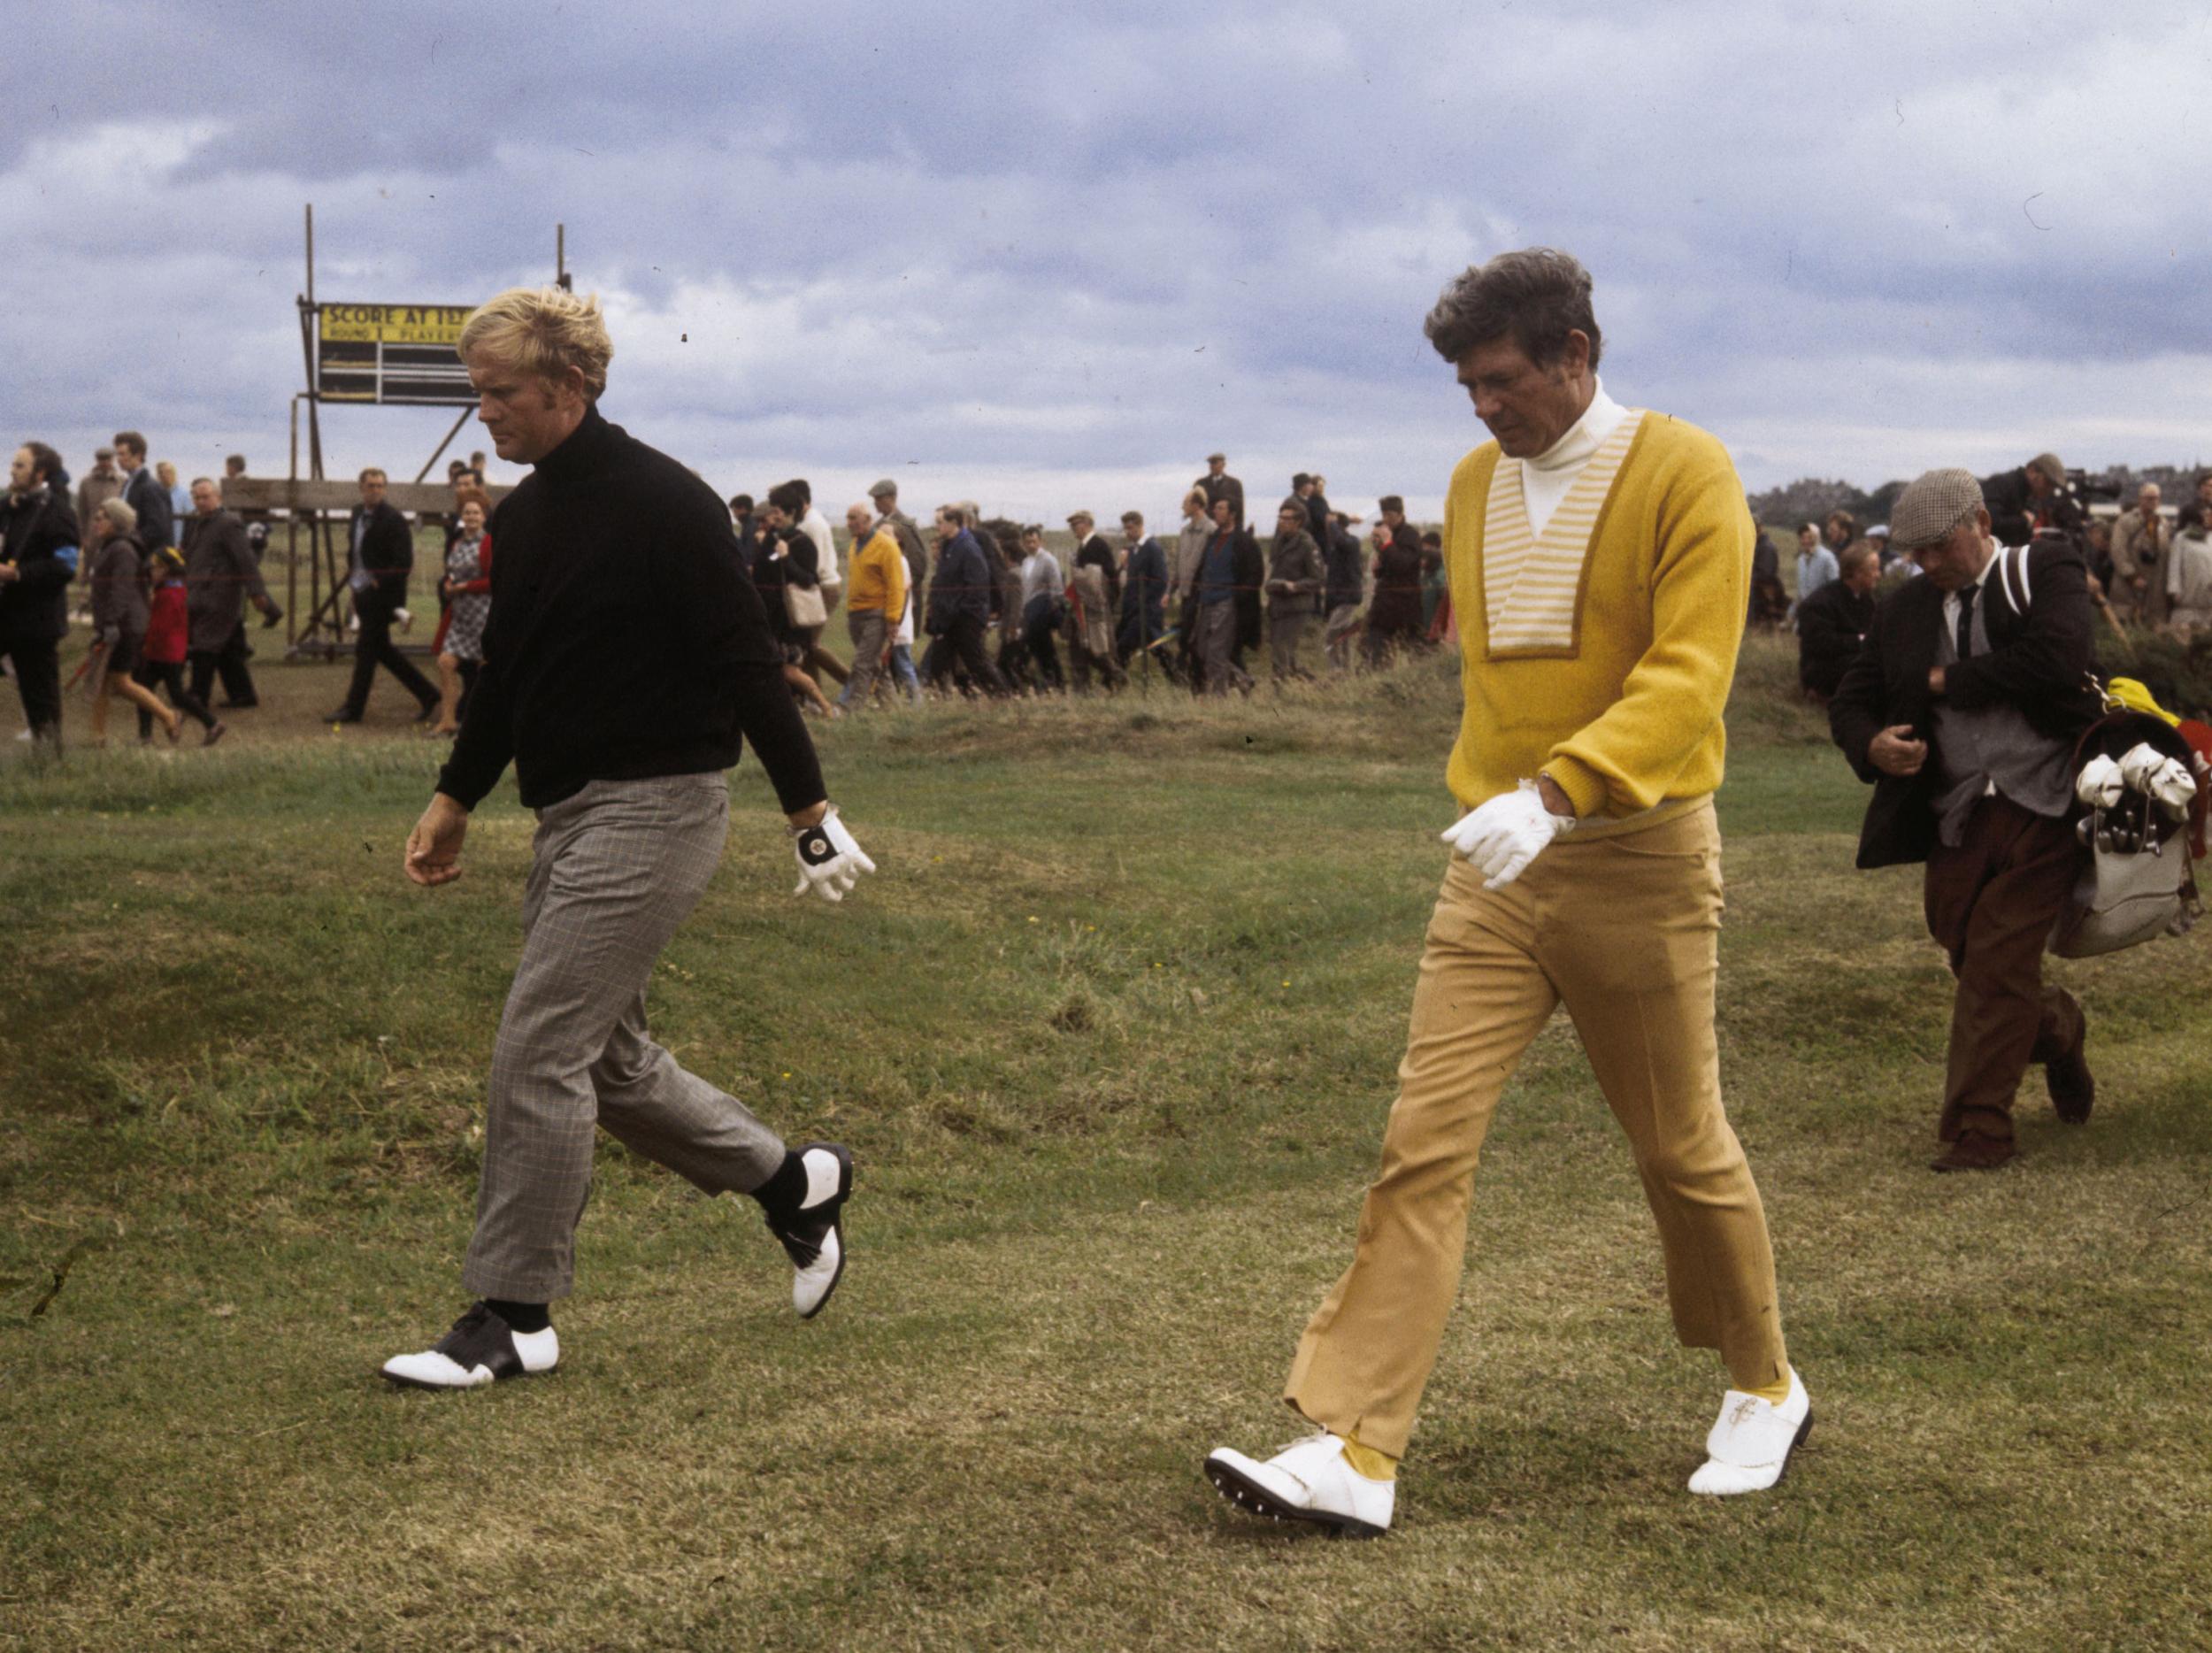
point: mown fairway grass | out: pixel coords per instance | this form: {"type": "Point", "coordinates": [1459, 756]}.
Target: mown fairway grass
{"type": "Point", "coordinates": [1112, 1035]}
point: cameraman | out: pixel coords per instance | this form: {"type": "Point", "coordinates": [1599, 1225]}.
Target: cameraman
{"type": "Point", "coordinates": [2016, 499]}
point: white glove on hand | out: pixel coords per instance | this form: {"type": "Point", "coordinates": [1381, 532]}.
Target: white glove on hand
{"type": "Point", "coordinates": [2162, 779]}
{"type": "Point", "coordinates": [1506, 833]}
{"type": "Point", "coordinates": [829, 861]}
{"type": "Point", "coordinates": [2098, 785]}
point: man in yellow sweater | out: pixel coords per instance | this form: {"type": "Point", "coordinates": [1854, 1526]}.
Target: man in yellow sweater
{"type": "Point", "coordinates": [1599, 560]}
{"type": "Point", "coordinates": [877, 599]}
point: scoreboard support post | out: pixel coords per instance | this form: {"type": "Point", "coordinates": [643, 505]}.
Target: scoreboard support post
{"type": "Point", "coordinates": [364, 355]}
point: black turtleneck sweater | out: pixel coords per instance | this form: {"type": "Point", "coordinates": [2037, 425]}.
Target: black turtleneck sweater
{"type": "Point", "coordinates": [626, 639]}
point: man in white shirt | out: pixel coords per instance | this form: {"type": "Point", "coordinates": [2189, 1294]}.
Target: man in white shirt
{"type": "Point", "coordinates": [816, 526]}
{"type": "Point", "coordinates": [1816, 565]}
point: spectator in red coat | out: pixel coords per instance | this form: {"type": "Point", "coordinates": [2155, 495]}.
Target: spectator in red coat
{"type": "Point", "coordinates": [168, 637]}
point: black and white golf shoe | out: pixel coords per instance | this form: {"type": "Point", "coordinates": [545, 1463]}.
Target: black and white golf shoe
{"type": "Point", "coordinates": [814, 1239]}
{"type": "Point", "coordinates": [480, 1348]}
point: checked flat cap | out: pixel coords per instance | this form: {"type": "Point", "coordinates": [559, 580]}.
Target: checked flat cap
{"type": "Point", "coordinates": [1935, 503]}
{"type": "Point", "coordinates": [883, 489]}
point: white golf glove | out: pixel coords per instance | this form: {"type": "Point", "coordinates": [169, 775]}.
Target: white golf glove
{"type": "Point", "coordinates": [2098, 785]}
{"type": "Point", "coordinates": [830, 863]}
{"type": "Point", "coordinates": [1506, 833]}
{"type": "Point", "coordinates": [2165, 780]}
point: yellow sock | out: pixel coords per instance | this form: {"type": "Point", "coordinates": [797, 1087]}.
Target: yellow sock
{"type": "Point", "coordinates": [1373, 1464]}
{"type": "Point", "coordinates": [1773, 1394]}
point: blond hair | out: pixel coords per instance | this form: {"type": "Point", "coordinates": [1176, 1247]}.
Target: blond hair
{"type": "Point", "coordinates": [542, 330]}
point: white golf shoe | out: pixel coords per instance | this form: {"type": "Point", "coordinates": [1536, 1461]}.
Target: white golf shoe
{"type": "Point", "coordinates": [1311, 1483]}
{"type": "Point", "coordinates": [1749, 1445]}
{"type": "Point", "coordinates": [480, 1348]}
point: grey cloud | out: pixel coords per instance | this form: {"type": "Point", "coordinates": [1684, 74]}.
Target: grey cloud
{"type": "Point", "coordinates": [1135, 230]}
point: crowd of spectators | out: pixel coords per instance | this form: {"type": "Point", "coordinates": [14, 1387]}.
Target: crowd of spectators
{"type": "Point", "coordinates": [1195, 609]}
{"type": "Point", "coordinates": [975, 605]}
{"type": "Point", "coordinates": [165, 572]}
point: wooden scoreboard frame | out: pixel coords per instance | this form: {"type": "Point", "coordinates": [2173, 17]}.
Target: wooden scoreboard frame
{"type": "Point", "coordinates": [359, 355]}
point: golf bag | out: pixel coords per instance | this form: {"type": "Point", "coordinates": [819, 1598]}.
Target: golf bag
{"type": "Point", "coordinates": [2144, 787]}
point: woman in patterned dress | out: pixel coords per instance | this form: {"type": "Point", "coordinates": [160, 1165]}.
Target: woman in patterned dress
{"type": "Point", "coordinates": [467, 587]}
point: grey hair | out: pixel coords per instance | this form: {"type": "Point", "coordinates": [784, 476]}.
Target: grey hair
{"type": "Point", "coordinates": [121, 513]}
{"type": "Point", "coordinates": [1537, 296]}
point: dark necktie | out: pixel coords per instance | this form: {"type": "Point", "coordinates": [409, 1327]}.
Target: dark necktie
{"type": "Point", "coordinates": [1966, 620]}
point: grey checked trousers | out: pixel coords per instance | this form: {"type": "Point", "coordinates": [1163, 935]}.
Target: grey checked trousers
{"type": "Point", "coordinates": [614, 871]}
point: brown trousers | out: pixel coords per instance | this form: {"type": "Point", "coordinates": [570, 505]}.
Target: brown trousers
{"type": "Point", "coordinates": [1624, 930]}
{"type": "Point", "coordinates": [1991, 903]}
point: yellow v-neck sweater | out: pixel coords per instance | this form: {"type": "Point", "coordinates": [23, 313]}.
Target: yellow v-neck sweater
{"type": "Point", "coordinates": [1625, 718]}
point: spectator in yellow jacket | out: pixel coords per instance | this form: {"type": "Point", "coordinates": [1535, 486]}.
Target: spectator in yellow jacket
{"type": "Point", "coordinates": [875, 597]}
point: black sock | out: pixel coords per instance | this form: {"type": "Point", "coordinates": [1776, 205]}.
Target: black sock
{"type": "Point", "coordinates": [784, 1191]}
{"type": "Point", "coordinates": [520, 1317]}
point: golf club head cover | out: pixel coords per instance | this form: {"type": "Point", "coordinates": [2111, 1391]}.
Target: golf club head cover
{"type": "Point", "coordinates": [2165, 781]}
{"type": "Point", "coordinates": [2098, 785]}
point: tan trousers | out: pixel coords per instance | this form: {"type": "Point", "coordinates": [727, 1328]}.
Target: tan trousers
{"type": "Point", "coordinates": [1624, 929]}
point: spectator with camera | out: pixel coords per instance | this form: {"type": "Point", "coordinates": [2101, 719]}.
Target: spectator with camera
{"type": "Point", "coordinates": [2015, 498]}
{"type": "Point", "coordinates": [2141, 543]}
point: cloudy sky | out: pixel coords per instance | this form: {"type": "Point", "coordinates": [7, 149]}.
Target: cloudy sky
{"type": "Point", "coordinates": [1048, 257]}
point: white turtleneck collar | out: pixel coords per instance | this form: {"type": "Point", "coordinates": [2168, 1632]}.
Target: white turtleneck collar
{"type": "Point", "coordinates": [1545, 479]}
{"type": "Point", "coordinates": [1585, 436]}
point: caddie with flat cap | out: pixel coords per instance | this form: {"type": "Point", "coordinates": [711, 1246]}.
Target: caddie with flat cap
{"type": "Point", "coordinates": [1962, 708]}
{"type": "Point", "coordinates": [1932, 505]}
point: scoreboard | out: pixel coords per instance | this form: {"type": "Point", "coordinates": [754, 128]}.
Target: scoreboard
{"type": "Point", "coordinates": [391, 353]}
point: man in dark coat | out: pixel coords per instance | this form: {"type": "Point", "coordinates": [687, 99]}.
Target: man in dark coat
{"type": "Point", "coordinates": [1394, 617]}
{"type": "Point", "coordinates": [1770, 601]}
{"type": "Point", "coordinates": [1143, 619]}
{"type": "Point", "coordinates": [1834, 620]}
{"type": "Point", "coordinates": [220, 578]}
{"type": "Point", "coordinates": [959, 606]}
{"type": "Point", "coordinates": [1307, 489]}
{"type": "Point", "coordinates": [143, 493]}
{"type": "Point", "coordinates": [1964, 709]}
{"type": "Point", "coordinates": [1228, 606]}
{"type": "Point", "coordinates": [1347, 590]}
{"type": "Point", "coordinates": [382, 555]}
{"type": "Point", "coordinates": [2016, 498]}
{"type": "Point", "coordinates": [1219, 485]}
{"type": "Point", "coordinates": [38, 559]}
